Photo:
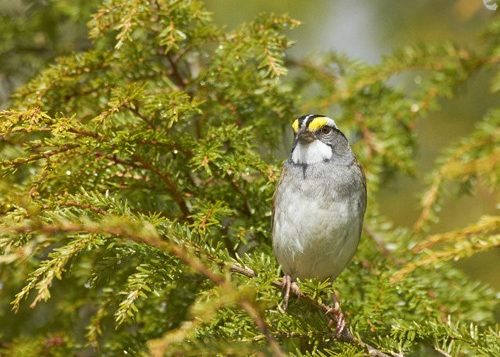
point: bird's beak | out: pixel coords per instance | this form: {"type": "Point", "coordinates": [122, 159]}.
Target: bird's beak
{"type": "Point", "coordinates": [305, 136]}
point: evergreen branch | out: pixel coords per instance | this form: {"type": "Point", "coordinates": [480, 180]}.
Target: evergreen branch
{"type": "Point", "coordinates": [274, 65]}
{"type": "Point", "coordinates": [170, 184]}
{"type": "Point", "coordinates": [449, 171]}
{"type": "Point", "coordinates": [140, 234]}
{"type": "Point", "coordinates": [246, 206]}
{"type": "Point", "coordinates": [243, 270]}
{"type": "Point", "coordinates": [140, 163]}
{"type": "Point", "coordinates": [369, 137]}
{"type": "Point", "coordinates": [136, 288]}
{"type": "Point", "coordinates": [220, 280]}
{"type": "Point", "coordinates": [346, 334]}
{"type": "Point", "coordinates": [127, 23]}
{"type": "Point", "coordinates": [423, 57]}
{"type": "Point", "coordinates": [53, 267]}
{"type": "Point", "coordinates": [42, 155]}
{"type": "Point", "coordinates": [455, 253]}
{"type": "Point", "coordinates": [477, 155]}
{"type": "Point", "coordinates": [83, 206]}
{"type": "Point", "coordinates": [468, 241]}
{"type": "Point", "coordinates": [318, 71]}
{"type": "Point", "coordinates": [259, 321]}
{"type": "Point", "coordinates": [486, 225]}
{"type": "Point", "coordinates": [443, 353]}
{"type": "Point", "coordinates": [133, 108]}
{"type": "Point", "coordinates": [176, 123]}
{"type": "Point", "coordinates": [429, 199]}
{"type": "Point", "coordinates": [158, 347]}
{"type": "Point", "coordinates": [94, 328]}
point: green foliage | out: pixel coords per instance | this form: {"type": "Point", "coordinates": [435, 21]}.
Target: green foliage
{"type": "Point", "coordinates": [35, 32]}
{"type": "Point", "coordinates": [137, 178]}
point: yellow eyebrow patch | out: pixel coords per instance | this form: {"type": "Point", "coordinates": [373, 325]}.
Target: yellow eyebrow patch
{"type": "Point", "coordinates": [295, 126]}
{"type": "Point", "coordinates": [317, 123]}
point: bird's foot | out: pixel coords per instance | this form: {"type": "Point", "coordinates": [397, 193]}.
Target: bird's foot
{"type": "Point", "coordinates": [337, 315]}
{"type": "Point", "coordinates": [289, 285]}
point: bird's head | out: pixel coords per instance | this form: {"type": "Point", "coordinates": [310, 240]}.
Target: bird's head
{"type": "Point", "coordinates": [317, 139]}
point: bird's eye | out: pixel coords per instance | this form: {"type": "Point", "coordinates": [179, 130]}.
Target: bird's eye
{"type": "Point", "coordinates": [325, 130]}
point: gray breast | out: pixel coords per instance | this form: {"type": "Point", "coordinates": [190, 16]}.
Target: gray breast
{"type": "Point", "coordinates": [318, 217]}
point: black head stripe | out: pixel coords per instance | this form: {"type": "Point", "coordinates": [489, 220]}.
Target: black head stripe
{"type": "Point", "coordinates": [302, 118]}
{"type": "Point", "coordinates": [306, 119]}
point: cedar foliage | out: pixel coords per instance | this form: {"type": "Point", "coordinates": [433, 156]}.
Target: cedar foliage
{"type": "Point", "coordinates": [136, 189]}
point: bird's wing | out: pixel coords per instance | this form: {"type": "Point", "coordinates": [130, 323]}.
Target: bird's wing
{"type": "Point", "coordinates": [363, 181]}
{"type": "Point", "coordinates": [282, 175]}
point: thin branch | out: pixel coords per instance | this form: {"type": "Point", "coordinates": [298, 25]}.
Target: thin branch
{"type": "Point", "coordinates": [133, 108]}
{"type": "Point", "coordinates": [154, 240]}
{"type": "Point", "coordinates": [175, 71]}
{"type": "Point", "coordinates": [171, 185]}
{"type": "Point", "coordinates": [235, 268]}
{"type": "Point", "coordinates": [452, 169]}
{"type": "Point", "coordinates": [82, 132]}
{"type": "Point", "coordinates": [445, 354]}
{"type": "Point", "coordinates": [181, 54]}
{"type": "Point", "coordinates": [174, 75]}
{"type": "Point", "coordinates": [140, 163]}
{"type": "Point", "coordinates": [261, 324]}
{"type": "Point", "coordinates": [346, 335]}
{"type": "Point", "coordinates": [83, 206]}
{"type": "Point", "coordinates": [486, 225]}
{"type": "Point", "coordinates": [466, 249]}
{"type": "Point", "coordinates": [38, 156]}
{"type": "Point", "coordinates": [246, 206]}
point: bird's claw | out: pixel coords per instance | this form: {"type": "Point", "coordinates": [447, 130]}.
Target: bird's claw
{"type": "Point", "coordinates": [337, 315]}
{"type": "Point", "coordinates": [289, 286]}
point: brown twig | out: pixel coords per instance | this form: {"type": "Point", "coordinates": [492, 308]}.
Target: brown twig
{"type": "Point", "coordinates": [83, 206]}
{"type": "Point", "coordinates": [261, 324]}
{"type": "Point", "coordinates": [39, 156]}
{"type": "Point", "coordinates": [134, 109]}
{"type": "Point", "coordinates": [171, 186]}
{"type": "Point", "coordinates": [85, 133]}
{"type": "Point", "coordinates": [235, 268]}
{"type": "Point", "coordinates": [175, 71]}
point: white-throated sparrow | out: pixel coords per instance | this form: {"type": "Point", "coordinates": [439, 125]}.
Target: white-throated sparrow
{"type": "Point", "coordinates": [319, 203]}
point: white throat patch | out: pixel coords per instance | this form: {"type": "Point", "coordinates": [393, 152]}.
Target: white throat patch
{"type": "Point", "coordinates": [311, 153]}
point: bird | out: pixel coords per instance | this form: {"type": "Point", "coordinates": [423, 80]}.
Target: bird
{"type": "Point", "coordinates": [318, 206]}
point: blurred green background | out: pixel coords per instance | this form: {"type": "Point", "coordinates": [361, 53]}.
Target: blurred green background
{"type": "Point", "coordinates": [33, 33]}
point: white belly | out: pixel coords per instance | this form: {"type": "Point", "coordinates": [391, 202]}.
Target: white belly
{"type": "Point", "coordinates": [313, 239]}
